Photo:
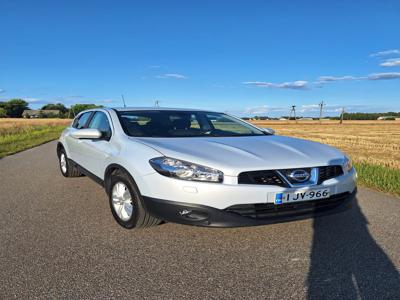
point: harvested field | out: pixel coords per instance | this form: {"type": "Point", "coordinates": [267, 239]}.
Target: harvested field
{"type": "Point", "coordinates": [375, 142]}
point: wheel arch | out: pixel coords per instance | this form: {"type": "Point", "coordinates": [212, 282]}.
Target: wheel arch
{"type": "Point", "coordinates": [111, 169]}
{"type": "Point", "coordinates": [60, 146]}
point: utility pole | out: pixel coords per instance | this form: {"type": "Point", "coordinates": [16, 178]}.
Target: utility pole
{"type": "Point", "coordinates": [321, 106]}
{"type": "Point", "coordinates": [157, 104]}
{"type": "Point", "coordinates": [69, 111]}
{"type": "Point", "coordinates": [341, 116]}
{"type": "Point", "coordinates": [293, 111]}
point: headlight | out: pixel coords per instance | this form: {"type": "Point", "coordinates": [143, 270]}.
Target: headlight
{"type": "Point", "coordinates": [347, 165]}
{"type": "Point", "coordinates": [180, 169]}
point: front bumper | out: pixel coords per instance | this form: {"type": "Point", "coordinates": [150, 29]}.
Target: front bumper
{"type": "Point", "coordinates": [229, 193]}
{"type": "Point", "coordinates": [247, 214]}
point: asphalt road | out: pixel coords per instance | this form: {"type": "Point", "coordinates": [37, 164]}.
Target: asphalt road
{"type": "Point", "coordinates": [58, 240]}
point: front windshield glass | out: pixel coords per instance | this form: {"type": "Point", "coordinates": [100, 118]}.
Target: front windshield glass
{"type": "Point", "coordinates": [164, 123]}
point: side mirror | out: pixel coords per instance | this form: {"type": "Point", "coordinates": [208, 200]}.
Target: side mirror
{"type": "Point", "coordinates": [268, 131]}
{"type": "Point", "coordinates": [87, 133]}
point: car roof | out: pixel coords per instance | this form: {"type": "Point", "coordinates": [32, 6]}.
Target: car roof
{"type": "Point", "coordinates": [156, 109]}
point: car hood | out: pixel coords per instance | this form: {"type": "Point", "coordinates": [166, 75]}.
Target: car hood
{"type": "Point", "coordinates": [233, 155]}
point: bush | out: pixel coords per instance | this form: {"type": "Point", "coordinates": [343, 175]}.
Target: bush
{"type": "Point", "coordinates": [3, 113]}
{"type": "Point", "coordinates": [15, 107]}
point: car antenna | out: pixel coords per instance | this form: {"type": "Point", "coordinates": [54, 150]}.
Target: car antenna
{"type": "Point", "coordinates": [123, 100]}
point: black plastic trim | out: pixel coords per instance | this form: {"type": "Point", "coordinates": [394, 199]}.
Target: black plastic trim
{"type": "Point", "coordinates": [201, 215]}
{"type": "Point", "coordinates": [87, 173]}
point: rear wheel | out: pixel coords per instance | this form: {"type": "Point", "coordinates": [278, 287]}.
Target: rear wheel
{"type": "Point", "coordinates": [126, 203]}
{"type": "Point", "coordinates": [66, 168]}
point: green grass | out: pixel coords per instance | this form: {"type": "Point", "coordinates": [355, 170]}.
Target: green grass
{"type": "Point", "coordinates": [379, 177]}
{"type": "Point", "coordinates": [26, 137]}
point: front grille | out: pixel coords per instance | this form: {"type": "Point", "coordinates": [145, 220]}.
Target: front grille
{"type": "Point", "coordinates": [329, 172]}
{"type": "Point", "coordinates": [271, 177]}
{"type": "Point", "coordinates": [270, 210]}
{"type": "Point", "coordinates": [268, 177]}
{"type": "Point", "coordinates": [286, 173]}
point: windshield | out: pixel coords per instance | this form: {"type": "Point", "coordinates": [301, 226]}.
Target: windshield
{"type": "Point", "coordinates": [164, 123]}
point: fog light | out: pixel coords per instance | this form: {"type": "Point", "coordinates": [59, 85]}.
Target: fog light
{"type": "Point", "coordinates": [193, 215]}
{"type": "Point", "coordinates": [185, 212]}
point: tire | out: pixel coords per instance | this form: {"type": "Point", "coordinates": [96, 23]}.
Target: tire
{"type": "Point", "coordinates": [66, 167]}
{"type": "Point", "coordinates": [126, 202]}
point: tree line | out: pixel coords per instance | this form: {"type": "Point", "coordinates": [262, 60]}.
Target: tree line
{"type": "Point", "coordinates": [369, 116]}
{"type": "Point", "coordinates": [14, 108]}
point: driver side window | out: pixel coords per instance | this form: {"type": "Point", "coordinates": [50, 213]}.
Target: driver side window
{"type": "Point", "coordinates": [80, 122]}
{"type": "Point", "coordinates": [100, 122]}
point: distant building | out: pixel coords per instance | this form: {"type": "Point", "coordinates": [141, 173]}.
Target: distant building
{"type": "Point", "coordinates": [33, 114]}
{"type": "Point", "coordinates": [387, 118]}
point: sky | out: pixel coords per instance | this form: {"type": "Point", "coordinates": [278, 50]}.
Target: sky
{"type": "Point", "coordinates": [243, 57]}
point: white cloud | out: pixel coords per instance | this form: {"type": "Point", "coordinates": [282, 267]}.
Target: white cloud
{"type": "Point", "coordinates": [31, 100]}
{"type": "Point", "coordinates": [385, 53]}
{"type": "Point", "coordinates": [172, 76]}
{"type": "Point", "coordinates": [374, 76]}
{"type": "Point", "coordinates": [392, 62]}
{"type": "Point", "coordinates": [384, 76]}
{"type": "Point", "coordinates": [309, 108]}
{"type": "Point", "coordinates": [323, 79]}
{"type": "Point", "coordinates": [257, 110]}
{"type": "Point", "coordinates": [295, 85]}
{"type": "Point", "coordinates": [263, 110]}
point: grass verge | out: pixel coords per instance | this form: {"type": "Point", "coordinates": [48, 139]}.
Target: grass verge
{"type": "Point", "coordinates": [28, 137]}
{"type": "Point", "coordinates": [379, 177]}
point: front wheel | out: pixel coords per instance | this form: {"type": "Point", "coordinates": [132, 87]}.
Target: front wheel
{"type": "Point", "coordinates": [126, 203]}
{"type": "Point", "coordinates": [66, 168]}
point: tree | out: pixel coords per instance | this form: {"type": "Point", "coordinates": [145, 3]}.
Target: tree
{"type": "Point", "coordinates": [58, 106]}
{"type": "Point", "coordinates": [15, 107]}
{"type": "Point", "coordinates": [77, 108]}
{"type": "Point", "coordinates": [3, 113]}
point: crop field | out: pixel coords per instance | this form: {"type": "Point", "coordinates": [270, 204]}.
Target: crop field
{"type": "Point", "coordinates": [374, 146]}
{"type": "Point", "coordinates": [20, 134]}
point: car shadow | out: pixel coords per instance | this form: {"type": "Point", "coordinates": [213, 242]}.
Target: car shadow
{"type": "Point", "coordinates": [347, 263]}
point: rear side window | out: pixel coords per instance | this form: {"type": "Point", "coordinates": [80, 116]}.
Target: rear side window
{"type": "Point", "coordinates": [81, 121]}
{"type": "Point", "coordinates": [100, 122]}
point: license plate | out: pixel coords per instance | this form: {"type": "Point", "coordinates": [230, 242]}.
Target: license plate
{"type": "Point", "coordinates": [299, 196]}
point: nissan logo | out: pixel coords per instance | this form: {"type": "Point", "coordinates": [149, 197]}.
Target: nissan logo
{"type": "Point", "coordinates": [299, 175]}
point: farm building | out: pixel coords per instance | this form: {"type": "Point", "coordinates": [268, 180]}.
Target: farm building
{"type": "Point", "coordinates": [32, 113]}
{"type": "Point", "coordinates": [387, 118]}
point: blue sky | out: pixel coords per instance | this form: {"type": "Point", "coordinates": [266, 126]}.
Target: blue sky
{"type": "Point", "coordinates": [245, 57]}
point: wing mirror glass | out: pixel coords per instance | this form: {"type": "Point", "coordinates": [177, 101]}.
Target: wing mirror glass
{"type": "Point", "coordinates": [87, 133]}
